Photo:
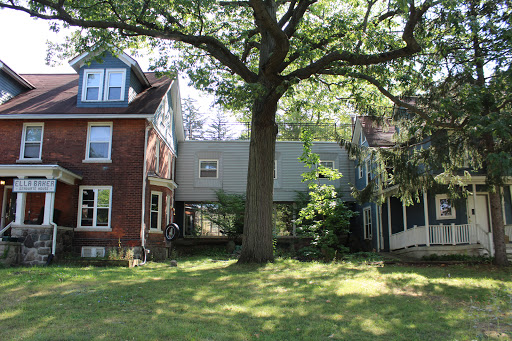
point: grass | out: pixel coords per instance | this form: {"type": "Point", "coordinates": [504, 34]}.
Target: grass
{"type": "Point", "coordinates": [205, 299]}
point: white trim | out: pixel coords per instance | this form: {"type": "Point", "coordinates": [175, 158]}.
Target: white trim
{"type": "Point", "coordinates": [159, 211]}
{"type": "Point", "coordinates": [23, 137]}
{"type": "Point", "coordinates": [320, 163]}
{"type": "Point", "coordinates": [168, 208]}
{"type": "Point", "coordinates": [72, 116]}
{"type": "Point", "coordinates": [367, 165]}
{"type": "Point", "coordinates": [4, 206]}
{"type": "Point", "coordinates": [94, 227]}
{"type": "Point", "coordinates": [157, 155]}
{"type": "Point", "coordinates": [48, 171]}
{"type": "Point", "coordinates": [275, 169]}
{"type": "Point", "coordinates": [16, 77]}
{"type": "Point", "coordinates": [87, 146]}
{"type": "Point", "coordinates": [367, 222]}
{"type": "Point", "coordinates": [107, 84]}
{"type": "Point", "coordinates": [216, 169]}
{"type": "Point", "coordinates": [438, 199]}
{"type": "Point", "coordinates": [360, 171]}
{"type": "Point", "coordinates": [88, 72]}
{"type": "Point", "coordinates": [168, 183]}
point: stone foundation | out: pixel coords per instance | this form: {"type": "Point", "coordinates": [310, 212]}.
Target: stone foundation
{"type": "Point", "coordinates": [9, 253]}
{"type": "Point", "coordinates": [36, 243]}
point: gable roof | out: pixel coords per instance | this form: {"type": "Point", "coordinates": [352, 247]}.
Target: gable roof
{"type": "Point", "coordinates": [20, 80]}
{"type": "Point", "coordinates": [77, 62]}
{"type": "Point", "coordinates": [378, 134]}
{"type": "Point", "coordinates": [55, 96]}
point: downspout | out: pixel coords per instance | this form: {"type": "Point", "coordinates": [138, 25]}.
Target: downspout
{"type": "Point", "coordinates": [52, 207]}
{"type": "Point", "coordinates": [142, 224]}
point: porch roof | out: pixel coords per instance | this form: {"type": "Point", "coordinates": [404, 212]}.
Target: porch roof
{"type": "Point", "coordinates": [47, 171]}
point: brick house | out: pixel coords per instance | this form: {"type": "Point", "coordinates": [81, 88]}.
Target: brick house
{"type": "Point", "coordinates": [108, 134]}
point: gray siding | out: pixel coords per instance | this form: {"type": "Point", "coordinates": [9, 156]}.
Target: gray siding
{"type": "Point", "coordinates": [8, 87]}
{"type": "Point", "coordinates": [233, 159]}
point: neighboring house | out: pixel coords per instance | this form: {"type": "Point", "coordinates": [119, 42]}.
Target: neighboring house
{"type": "Point", "coordinates": [435, 224]}
{"type": "Point", "coordinates": [108, 134]}
{"type": "Point", "coordinates": [205, 167]}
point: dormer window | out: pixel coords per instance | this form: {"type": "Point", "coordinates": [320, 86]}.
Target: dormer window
{"type": "Point", "coordinates": [115, 85]}
{"type": "Point", "coordinates": [95, 80]}
{"type": "Point", "coordinates": [93, 85]}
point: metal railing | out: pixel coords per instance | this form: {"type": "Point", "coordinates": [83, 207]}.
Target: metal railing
{"type": "Point", "coordinates": [287, 131]}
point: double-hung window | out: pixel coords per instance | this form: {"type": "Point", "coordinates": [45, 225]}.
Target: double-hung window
{"type": "Point", "coordinates": [325, 164]}
{"type": "Point", "coordinates": [156, 212]}
{"type": "Point", "coordinates": [115, 85]}
{"type": "Point", "coordinates": [32, 141]}
{"type": "Point", "coordinates": [208, 168]}
{"type": "Point", "coordinates": [93, 85]}
{"type": "Point", "coordinates": [367, 222]}
{"type": "Point", "coordinates": [95, 206]}
{"type": "Point", "coordinates": [99, 141]}
{"type": "Point", "coordinates": [103, 85]}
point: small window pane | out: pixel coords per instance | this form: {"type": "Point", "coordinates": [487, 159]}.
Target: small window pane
{"type": "Point", "coordinates": [33, 134]}
{"type": "Point", "coordinates": [98, 150]}
{"type": "Point", "coordinates": [93, 79]}
{"type": "Point", "coordinates": [99, 133]}
{"type": "Point", "coordinates": [87, 215]}
{"type": "Point", "coordinates": [102, 217]}
{"type": "Point", "coordinates": [445, 208]}
{"type": "Point", "coordinates": [116, 79]}
{"type": "Point", "coordinates": [103, 198]}
{"type": "Point", "coordinates": [114, 93]}
{"type": "Point", "coordinates": [92, 94]}
{"type": "Point", "coordinates": [208, 169]}
{"type": "Point", "coordinates": [154, 220]}
{"type": "Point", "coordinates": [32, 151]}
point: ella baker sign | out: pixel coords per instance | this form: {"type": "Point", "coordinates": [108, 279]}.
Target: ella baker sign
{"type": "Point", "coordinates": [34, 185]}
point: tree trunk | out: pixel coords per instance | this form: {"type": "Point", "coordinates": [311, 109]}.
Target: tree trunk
{"type": "Point", "coordinates": [257, 246]}
{"type": "Point", "coordinates": [498, 228]}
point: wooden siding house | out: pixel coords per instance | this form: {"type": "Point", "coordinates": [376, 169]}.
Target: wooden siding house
{"type": "Point", "coordinates": [108, 134]}
{"type": "Point", "coordinates": [435, 225]}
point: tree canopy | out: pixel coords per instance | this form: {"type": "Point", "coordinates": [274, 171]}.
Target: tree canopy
{"type": "Point", "coordinates": [250, 54]}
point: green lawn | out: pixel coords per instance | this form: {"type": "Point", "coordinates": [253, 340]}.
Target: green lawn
{"type": "Point", "coordinates": [203, 299]}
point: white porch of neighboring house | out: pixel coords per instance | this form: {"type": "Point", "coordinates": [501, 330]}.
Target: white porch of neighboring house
{"type": "Point", "coordinates": [433, 236]}
{"type": "Point", "coordinates": [38, 237]}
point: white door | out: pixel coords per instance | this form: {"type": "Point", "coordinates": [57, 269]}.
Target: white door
{"type": "Point", "coordinates": [480, 212]}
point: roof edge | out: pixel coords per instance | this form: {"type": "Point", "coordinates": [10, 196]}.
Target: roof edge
{"type": "Point", "coordinates": [16, 76]}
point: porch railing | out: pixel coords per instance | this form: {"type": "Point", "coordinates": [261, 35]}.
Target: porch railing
{"type": "Point", "coordinates": [440, 235]}
{"type": "Point", "coordinates": [5, 229]}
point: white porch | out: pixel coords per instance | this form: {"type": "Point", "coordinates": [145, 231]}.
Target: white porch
{"type": "Point", "coordinates": [448, 235]}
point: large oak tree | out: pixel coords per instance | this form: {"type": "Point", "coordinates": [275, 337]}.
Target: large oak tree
{"type": "Point", "coordinates": [250, 53]}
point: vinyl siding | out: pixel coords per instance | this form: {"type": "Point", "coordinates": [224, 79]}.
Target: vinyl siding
{"type": "Point", "coordinates": [8, 87]}
{"type": "Point", "coordinates": [233, 159]}
{"type": "Point", "coordinates": [109, 62]}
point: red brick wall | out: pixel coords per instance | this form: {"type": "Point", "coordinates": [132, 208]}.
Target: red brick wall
{"type": "Point", "coordinates": [166, 161]}
{"type": "Point", "coordinates": [64, 143]}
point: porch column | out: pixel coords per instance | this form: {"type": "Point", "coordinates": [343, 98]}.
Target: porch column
{"type": "Point", "coordinates": [404, 215]}
{"type": "Point", "coordinates": [473, 213]}
{"type": "Point", "coordinates": [20, 206]}
{"type": "Point", "coordinates": [49, 201]}
{"type": "Point", "coordinates": [378, 227]}
{"type": "Point", "coordinates": [425, 212]}
{"type": "Point", "coordinates": [389, 220]}
{"type": "Point", "coordinates": [381, 232]}
{"type": "Point", "coordinates": [502, 195]}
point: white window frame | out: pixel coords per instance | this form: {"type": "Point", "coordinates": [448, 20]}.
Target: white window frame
{"type": "Point", "coordinates": [360, 171]}
{"type": "Point", "coordinates": [368, 165]}
{"type": "Point", "coordinates": [275, 169]}
{"type": "Point", "coordinates": [367, 222]}
{"type": "Point", "coordinates": [159, 211]}
{"type": "Point", "coordinates": [87, 147]}
{"type": "Point", "coordinates": [157, 155]}
{"type": "Point", "coordinates": [216, 170]}
{"type": "Point", "coordinates": [100, 72]}
{"type": "Point", "coordinates": [95, 208]}
{"type": "Point", "coordinates": [453, 214]}
{"type": "Point", "coordinates": [332, 167]}
{"type": "Point", "coordinates": [23, 141]}
{"type": "Point", "coordinates": [108, 72]}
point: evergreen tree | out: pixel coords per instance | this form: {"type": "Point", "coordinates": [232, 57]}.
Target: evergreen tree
{"type": "Point", "coordinates": [193, 120]}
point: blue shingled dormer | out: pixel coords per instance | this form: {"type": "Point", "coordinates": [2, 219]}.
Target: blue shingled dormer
{"type": "Point", "coordinates": [11, 84]}
{"type": "Point", "coordinates": [112, 82]}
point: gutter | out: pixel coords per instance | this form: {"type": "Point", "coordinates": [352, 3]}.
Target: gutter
{"type": "Point", "coordinates": [52, 208]}
{"type": "Point", "coordinates": [142, 223]}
